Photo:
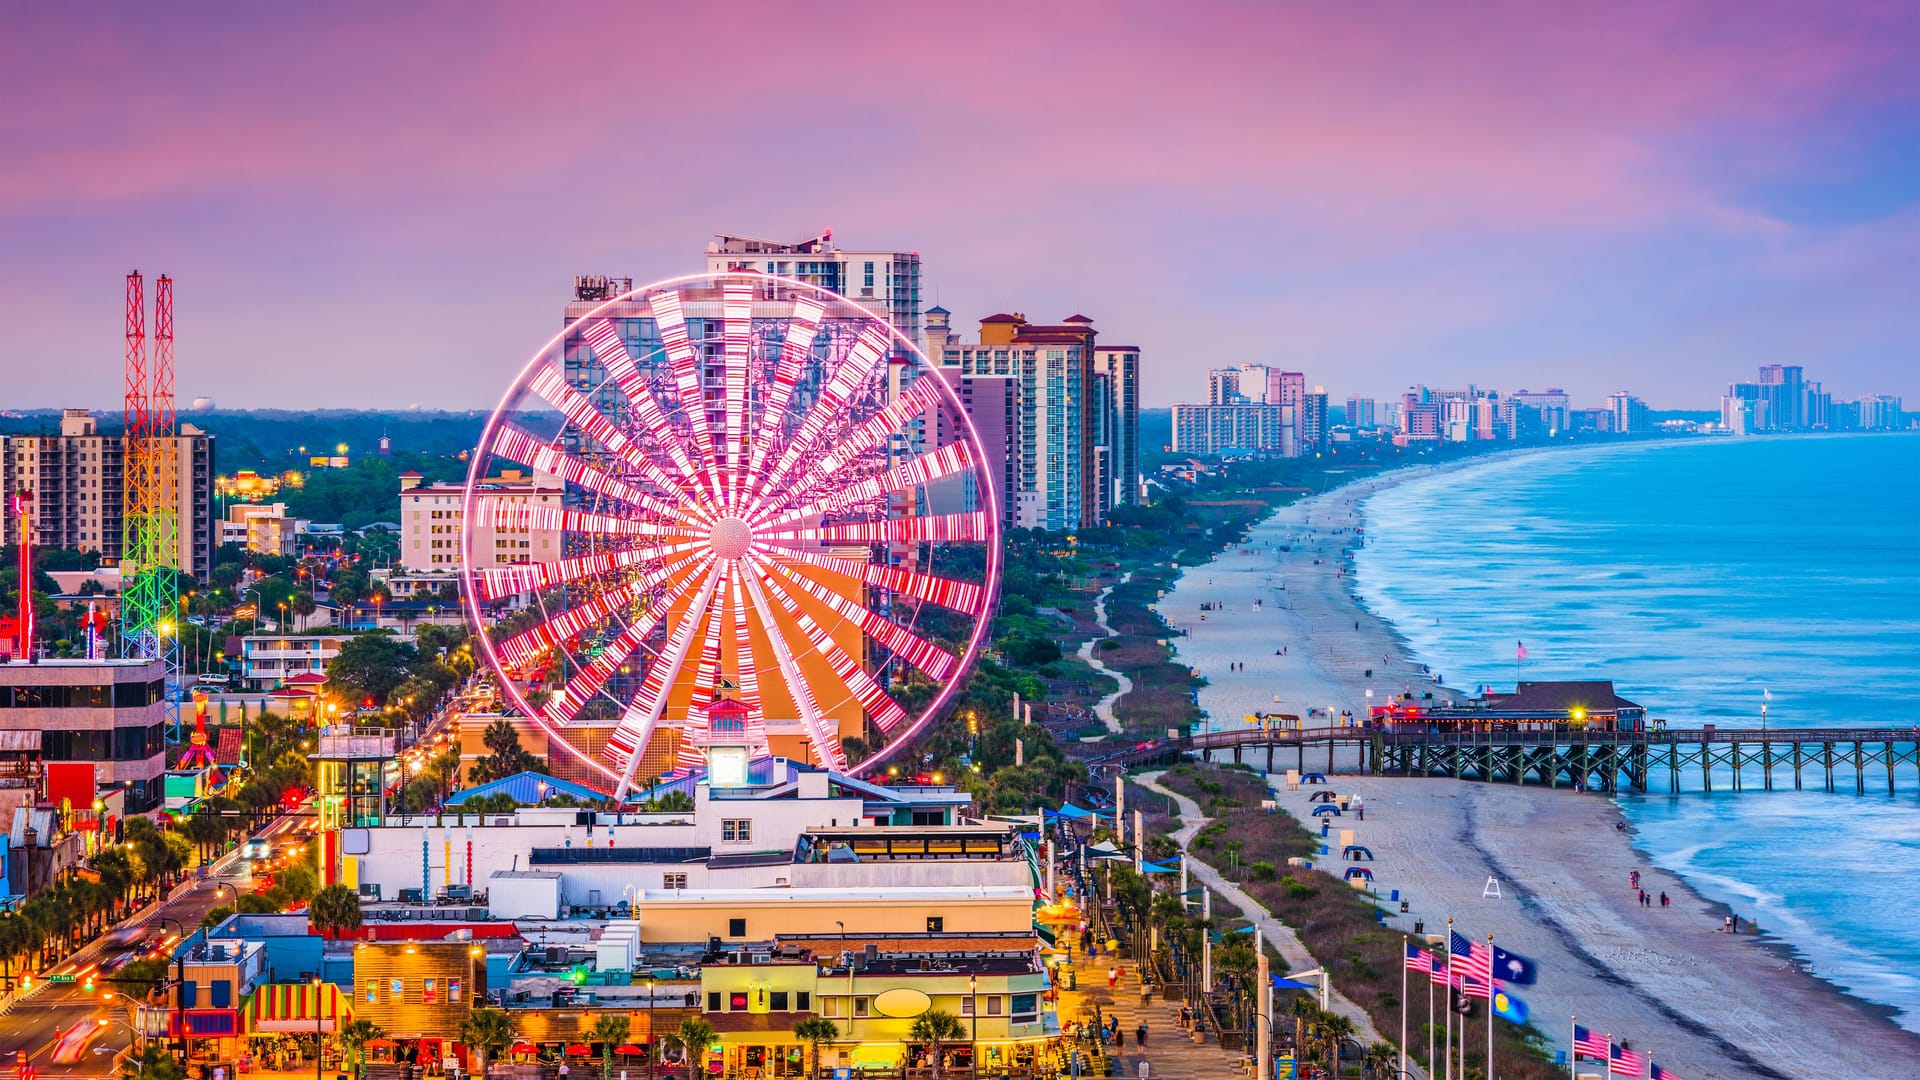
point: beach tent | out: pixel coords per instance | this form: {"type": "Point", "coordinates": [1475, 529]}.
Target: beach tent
{"type": "Point", "coordinates": [1329, 808]}
{"type": "Point", "coordinates": [1322, 796]}
{"type": "Point", "coordinates": [1356, 851]}
{"type": "Point", "coordinates": [1075, 813]}
{"type": "Point", "coordinates": [1360, 872]}
{"type": "Point", "coordinates": [1313, 778]}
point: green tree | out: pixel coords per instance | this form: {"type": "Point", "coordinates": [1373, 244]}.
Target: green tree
{"type": "Point", "coordinates": [155, 1061]}
{"type": "Point", "coordinates": [934, 1029]}
{"type": "Point", "coordinates": [370, 666]}
{"type": "Point", "coordinates": [814, 1031]}
{"type": "Point", "coordinates": [609, 1031]}
{"type": "Point", "coordinates": [488, 1031]}
{"type": "Point", "coordinates": [692, 1039]}
{"type": "Point", "coordinates": [356, 1035]}
{"type": "Point", "coordinates": [506, 756]}
{"type": "Point", "coordinates": [334, 911]}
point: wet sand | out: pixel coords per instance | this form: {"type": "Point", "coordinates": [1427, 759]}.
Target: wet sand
{"type": "Point", "coordinates": [1667, 981]}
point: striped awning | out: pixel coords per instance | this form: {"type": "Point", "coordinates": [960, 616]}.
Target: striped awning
{"type": "Point", "coordinates": [279, 1008]}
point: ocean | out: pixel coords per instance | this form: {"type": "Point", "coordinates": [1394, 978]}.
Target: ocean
{"type": "Point", "coordinates": [1706, 578]}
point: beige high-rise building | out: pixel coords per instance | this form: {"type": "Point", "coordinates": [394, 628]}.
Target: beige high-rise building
{"type": "Point", "coordinates": [431, 515]}
{"type": "Point", "coordinates": [76, 479]}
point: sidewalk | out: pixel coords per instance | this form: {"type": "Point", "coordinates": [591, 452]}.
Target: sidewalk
{"type": "Point", "coordinates": [1271, 929]}
{"type": "Point", "coordinates": [1170, 1053]}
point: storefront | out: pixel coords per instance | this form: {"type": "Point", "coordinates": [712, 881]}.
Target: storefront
{"type": "Point", "coordinates": [284, 1021]}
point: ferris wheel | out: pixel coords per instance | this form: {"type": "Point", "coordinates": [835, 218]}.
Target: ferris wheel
{"type": "Point", "coordinates": [729, 512]}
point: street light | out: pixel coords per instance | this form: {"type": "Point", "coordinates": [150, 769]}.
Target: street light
{"type": "Point", "coordinates": [319, 1037]}
{"type": "Point", "coordinates": [973, 1052]}
{"type": "Point", "coordinates": [652, 1042]}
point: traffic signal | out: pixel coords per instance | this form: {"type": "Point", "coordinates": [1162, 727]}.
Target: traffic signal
{"type": "Point", "coordinates": [89, 985]}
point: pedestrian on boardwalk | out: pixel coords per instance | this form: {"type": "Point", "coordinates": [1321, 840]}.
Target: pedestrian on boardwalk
{"type": "Point", "coordinates": [1113, 977]}
{"type": "Point", "coordinates": [1140, 1035]}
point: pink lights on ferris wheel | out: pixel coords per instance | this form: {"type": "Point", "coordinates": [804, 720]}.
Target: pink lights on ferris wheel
{"type": "Point", "coordinates": [754, 518]}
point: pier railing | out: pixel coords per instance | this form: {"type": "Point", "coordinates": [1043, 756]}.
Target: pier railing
{"type": "Point", "coordinates": [1572, 756]}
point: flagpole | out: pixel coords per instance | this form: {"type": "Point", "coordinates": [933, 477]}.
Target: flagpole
{"type": "Point", "coordinates": [1490, 993]}
{"type": "Point", "coordinates": [1573, 1055]}
{"type": "Point", "coordinates": [1404, 945]}
{"type": "Point", "coordinates": [1449, 1072]}
{"type": "Point", "coordinates": [1609, 1055]}
{"type": "Point", "coordinates": [1429, 1032]}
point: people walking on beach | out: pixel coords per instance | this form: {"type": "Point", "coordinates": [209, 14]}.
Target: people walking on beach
{"type": "Point", "coordinates": [1633, 880]}
{"type": "Point", "coordinates": [1727, 924]}
{"type": "Point", "coordinates": [1663, 899]}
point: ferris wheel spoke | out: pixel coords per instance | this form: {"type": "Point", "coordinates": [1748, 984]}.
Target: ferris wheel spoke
{"type": "Point", "coordinates": [520, 650]}
{"type": "Point", "coordinates": [885, 711]}
{"type": "Point", "coordinates": [937, 662]}
{"type": "Point", "coordinates": [857, 367]}
{"type": "Point", "coordinates": [968, 527]}
{"type": "Point", "coordinates": [497, 583]}
{"type": "Point", "coordinates": [960, 596]}
{"type": "Point", "coordinates": [517, 444]}
{"type": "Point", "coordinates": [635, 730]}
{"type": "Point", "coordinates": [571, 698]}
{"type": "Point", "coordinates": [925, 469]}
{"type": "Point", "coordinates": [869, 436]}
{"type": "Point", "coordinates": [796, 348]}
{"type": "Point", "coordinates": [606, 343]}
{"type": "Point", "coordinates": [826, 742]}
{"type": "Point", "coordinates": [529, 516]}
{"type": "Point", "coordinates": [697, 734]}
{"type": "Point", "coordinates": [736, 342]}
{"type": "Point", "coordinates": [551, 385]}
{"type": "Point", "coordinates": [670, 317]}
{"type": "Point", "coordinates": [744, 666]}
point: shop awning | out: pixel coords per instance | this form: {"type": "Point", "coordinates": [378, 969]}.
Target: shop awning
{"type": "Point", "coordinates": [295, 1008]}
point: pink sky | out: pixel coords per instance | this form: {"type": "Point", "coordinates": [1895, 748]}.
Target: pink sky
{"type": "Point", "coordinates": [365, 206]}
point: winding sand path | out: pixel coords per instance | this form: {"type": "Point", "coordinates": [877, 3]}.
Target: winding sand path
{"type": "Point", "coordinates": [1104, 707]}
{"type": "Point", "coordinates": [1271, 929]}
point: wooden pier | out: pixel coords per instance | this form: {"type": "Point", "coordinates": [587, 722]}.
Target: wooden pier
{"type": "Point", "coordinates": [1673, 760]}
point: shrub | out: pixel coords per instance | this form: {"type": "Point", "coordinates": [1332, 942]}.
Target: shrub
{"type": "Point", "coordinates": [1297, 889]}
{"type": "Point", "coordinates": [1262, 871]}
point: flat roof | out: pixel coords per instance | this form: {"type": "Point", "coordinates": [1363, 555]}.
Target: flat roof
{"type": "Point", "coordinates": [837, 895]}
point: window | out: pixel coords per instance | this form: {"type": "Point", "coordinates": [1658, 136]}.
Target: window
{"type": "Point", "coordinates": [737, 1001]}
{"type": "Point", "coordinates": [777, 1001]}
{"type": "Point", "coordinates": [994, 1004]}
{"type": "Point", "coordinates": [713, 1001]}
{"type": "Point", "coordinates": [673, 881]}
{"type": "Point", "coordinates": [736, 928]}
{"type": "Point", "coordinates": [736, 829]}
{"type": "Point", "coordinates": [862, 1007]}
{"type": "Point", "coordinates": [936, 924]}
{"type": "Point", "coordinates": [966, 1005]}
{"type": "Point", "coordinates": [1026, 1008]}
{"type": "Point", "coordinates": [829, 1006]}
{"type": "Point", "coordinates": [803, 1001]}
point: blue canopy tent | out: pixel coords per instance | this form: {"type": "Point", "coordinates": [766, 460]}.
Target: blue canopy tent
{"type": "Point", "coordinates": [1313, 778]}
{"type": "Point", "coordinates": [1075, 813]}
{"type": "Point", "coordinates": [1357, 851]}
{"type": "Point", "coordinates": [1359, 872]}
{"type": "Point", "coordinates": [1157, 868]}
{"type": "Point", "coordinates": [1322, 796]}
{"type": "Point", "coordinates": [1104, 851]}
{"type": "Point", "coordinates": [1329, 808]}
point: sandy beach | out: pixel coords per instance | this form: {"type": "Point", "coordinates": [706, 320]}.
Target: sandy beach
{"type": "Point", "coordinates": [1669, 981]}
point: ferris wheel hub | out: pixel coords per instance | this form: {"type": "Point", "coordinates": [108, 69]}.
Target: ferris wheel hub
{"type": "Point", "coordinates": [730, 538]}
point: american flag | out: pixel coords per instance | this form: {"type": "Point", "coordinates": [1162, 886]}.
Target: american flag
{"type": "Point", "coordinates": [1473, 988]}
{"type": "Point", "coordinates": [1439, 967]}
{"type": "Point", "coordinates": [1419, 960]}
{"type": "Point", "coordinates": [1520, 650]}
{"type": "Point", "coordinates": [1590, 1043]}
{"type": "Point", "coordinates": [1658, 1073]}
{"type": "Point", "coordinates": [1628, 1062]}
{"type": "Point", "coordinates": [1468, 960]}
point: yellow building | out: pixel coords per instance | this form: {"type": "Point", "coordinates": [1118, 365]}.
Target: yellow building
{"type": "Point", "coordinates": [996, 987]}
{"type": "Point", "coordinates": [733, 915]}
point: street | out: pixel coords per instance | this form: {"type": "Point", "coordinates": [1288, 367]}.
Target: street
{"type": "Point", "coordinates": [36, 1023]}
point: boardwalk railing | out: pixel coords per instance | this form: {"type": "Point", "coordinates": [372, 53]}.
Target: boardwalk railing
{"type": "Point", "coordinates": [1575, 756]}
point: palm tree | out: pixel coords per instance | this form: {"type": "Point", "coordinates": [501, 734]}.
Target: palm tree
{"type": "Point", "coordinates": [1380, 1056]}
{"type": "Point", "coordinates": [813, 1031]}
{"type": "Point", "coordinates": [934, 1028]}
{"type": "Point", "coordinates": [692, 1039]}
{"type": "Point", "coordinates": [488, 1031]}
{"type": "Point", "coordinates": [355, 1037]}
{"type": "Point", "coordinates": [334, 911]}
{"type": "Point", "coordinates": [609, 1031]}
{"type": "Point", "coordinates": [1335, 1029]}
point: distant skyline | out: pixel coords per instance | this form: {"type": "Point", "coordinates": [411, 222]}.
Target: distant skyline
{"type": "Point", "coordinates": [369, 205]}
